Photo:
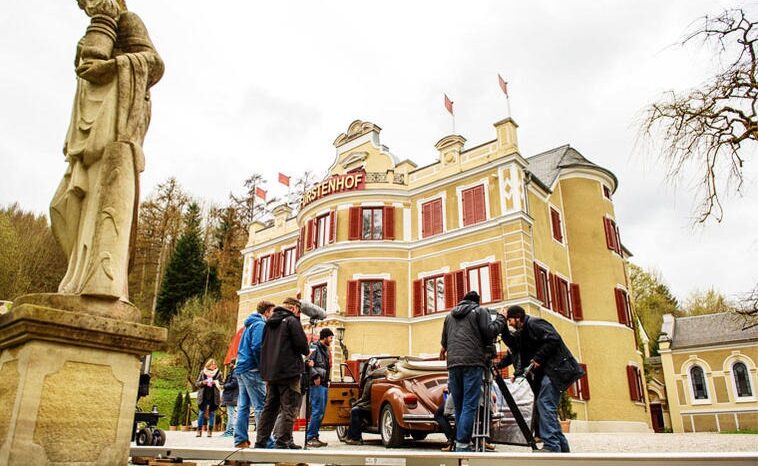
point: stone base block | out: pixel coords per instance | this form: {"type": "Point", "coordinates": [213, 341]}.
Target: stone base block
{"type": "Point", "coordinates": [70, 386]}
{"type": "Point", "coordinates": [578, 427]}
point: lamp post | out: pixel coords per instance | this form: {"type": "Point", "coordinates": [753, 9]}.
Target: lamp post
{"type": "Point", "coordinates": [340, 338]}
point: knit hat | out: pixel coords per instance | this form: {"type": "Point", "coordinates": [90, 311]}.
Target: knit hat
{"type": "Point", "coordinates": [515, 312]}
{"type": "Point", "coordinates": [472, 296]}
{"type": "Point", "coordinates": [325, 333]}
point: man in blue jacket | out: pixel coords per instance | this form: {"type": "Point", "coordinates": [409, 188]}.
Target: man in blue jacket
{"type": "Point", "coordinates": [252, 388]}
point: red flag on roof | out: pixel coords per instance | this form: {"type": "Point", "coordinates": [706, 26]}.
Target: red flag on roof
{"type": "Point", "coordinates": [448, 104]}
{"type": "Point", "coordinates": [260, 193]}
{"type": "Point", "coordinates": [503, 84]}
{"type": "Point", "coordinates": [231, 353]}
{"type": "Point", "coordinates": [284, 179]}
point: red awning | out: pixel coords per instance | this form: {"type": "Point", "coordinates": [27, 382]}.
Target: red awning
{"type": "Point", "coordinates": [231, 353]}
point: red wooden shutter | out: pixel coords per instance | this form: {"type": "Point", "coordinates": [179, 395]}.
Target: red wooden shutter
{"type": "Point", "coordinates": [388, 222]}
{"type": "Point", "coordinates": [332, 226]}
{"type": "Point", "coordinates": [585, 383]}
{"type": "Point", "coordinates": [256, 266]}
{"type": "Point", "coordinates": [496, 282]}
{"type": "Point", "coordinates": [418, 298]}
{"type": "Point", "coordinates": [631, 377]}
{"type": "Point", "coordinates": [449, 281]}
{"type": "Point", "coordinates": [467, 204]}
{"type": "Point", "coordinates": [426, 219]}
{"type": "Point", "coordinates": [308, 230]}
{"type": "Point", "coordinates": [608, 235]}
{"type": "Point", "coordinates": [554, 300]}
{"type": "Point", "coordinates": [301, 242]}
{"type": "Point", "coordinates": [353, 297]}
{"type": "Point", "coordinates": [436, 216]}
{"type": "Point", "coordinates": [576, 302]}
{"type": "Point", "coordinates": [354, 228]}
{"type": "Point", "coordinates": [555, 218]}
{"type": "Point", "coordinates": [273, 266]}
{"type": "Point", "coordinates": [388, 298]}
{"type": "Point", "coordinates": [617, 238]}
{"type": "Point", "coordinates": [620, 305]}
{"type": "Point", "coordinates": [538, 283]}
{"type": "Point", "coordinates": [459, 277]}
{"type": "Point", "coordinates": [282, 263]}
{"type": "Point", "coordinates": [314, 233]}
{"type": "Point", "coordinates": [480, 207]}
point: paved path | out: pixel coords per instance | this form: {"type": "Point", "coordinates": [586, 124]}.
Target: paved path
{"type": "Point", "coordinates": [580, 443]}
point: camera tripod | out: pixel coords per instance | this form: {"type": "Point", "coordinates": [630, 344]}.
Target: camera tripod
{"type": "Point", "coordinates": [482, 422]}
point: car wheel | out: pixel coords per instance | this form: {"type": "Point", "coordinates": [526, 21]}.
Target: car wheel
{"type": "Point", "coordinates": [418, 435]}
{"type": "Point", "coordinates": [341, 433]}
{"type": "Point", "coordinates": [144, 437]}
{"type": "Point", "coordinates": [159, 437]}
{"type": "Point", "coordinates": [392, 433]}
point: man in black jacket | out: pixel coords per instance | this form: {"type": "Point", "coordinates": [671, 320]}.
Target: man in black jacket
{"type": "Point", "coordinates": [535, 341]}
{"type": "Point", "coordinates": [282, 366]}
{"type": "Point", "coordinates": [361, 410]}
{"type": "Point", "coordinates": [320, 368]}
{"type": "Point", "coordinates": [467, 331]}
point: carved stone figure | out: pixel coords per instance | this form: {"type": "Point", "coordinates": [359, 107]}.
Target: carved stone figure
{"type": "Point", "coordinates": [94, 210]}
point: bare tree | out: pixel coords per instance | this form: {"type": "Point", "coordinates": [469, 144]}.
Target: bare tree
{"type": "Point", "coordinates": [748, 309]}
{"type": "Point", "coordinates": [715, 125]}
{"type": "Point", "coordinates": [302, 184]}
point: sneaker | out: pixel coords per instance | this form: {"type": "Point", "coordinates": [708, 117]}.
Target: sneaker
{"type": "Point", "coordinates": [489, 446]}
{"type": "Point", "coordinates": [243, 444]}
{"type": "Point", "coordinates": [449, 447]}
{"type": "Point", "coordinates": [350, 441]}
{"type": "Point", "coordinates": [323, 444]}
{"type": "Point", "coordinates": [313, 443]}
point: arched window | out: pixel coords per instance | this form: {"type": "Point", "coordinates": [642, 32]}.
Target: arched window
{"type": "Point", "coordinates": [741, 379]}
{"type": "Point", "coordinates": [698, 383]}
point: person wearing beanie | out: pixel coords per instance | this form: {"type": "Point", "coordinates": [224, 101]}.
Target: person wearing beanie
{"type": "Point", "coordinates": [319, 371]}
{"type": "Point", "coordinates": [466, 332]}
{"type": "Point", "coordinates": [536, 342]}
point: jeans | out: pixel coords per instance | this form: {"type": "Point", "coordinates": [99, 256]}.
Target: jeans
{"type": "Point", "coordinates": [201, 417]}
{"type": "Point", "coordinates": [465, 385]}
{"type": "Point", "coordinates": [252, 391]}
{"type": "Point", "coordinates": [550, 428]}
{"type": "Point", "coordinates": [231, 412]}
{"type": "Point", "coordinates": [318, 395]}
{"type": "Point", "coordinates": [357, 416]}
{"type": "Point", "coordinates": [282, 400]}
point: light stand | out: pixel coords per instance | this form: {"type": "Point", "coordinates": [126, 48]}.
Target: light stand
{"type": "Point", "coordinates": [308, 385]}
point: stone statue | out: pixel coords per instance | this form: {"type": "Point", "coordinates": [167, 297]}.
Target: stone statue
{"type": "Point", "coordinates": [94, 210]}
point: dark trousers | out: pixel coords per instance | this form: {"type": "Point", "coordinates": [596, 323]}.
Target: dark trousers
{"type": "Point", "coordinates": [282, 396]}
{"type": "Point", "coordinates": [357, 416]}
{"type": "Point", "coordinates": [465, 385]}
{"type": "Point", "coordinates": [444, 424]}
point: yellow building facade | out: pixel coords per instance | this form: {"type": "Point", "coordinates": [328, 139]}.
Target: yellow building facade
{"type": "Point", "coordinates": [387, 248]}
{"type": "Point", "coordinates": [711, 378]}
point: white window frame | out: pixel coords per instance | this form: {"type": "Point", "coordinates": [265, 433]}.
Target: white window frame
{"type": "Point", "coordinates": [691, 389]}
{"type": "Point", "coordinates": [293, 259]}
{"type": "Point", "coordinates": [737, 398]}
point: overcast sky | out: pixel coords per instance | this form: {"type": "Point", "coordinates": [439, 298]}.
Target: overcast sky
{"type": "Point", "coordinates": [267, 87]}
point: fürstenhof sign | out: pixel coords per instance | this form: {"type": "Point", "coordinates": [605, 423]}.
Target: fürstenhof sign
{"type": "Point", "coordinates": [335, 184]}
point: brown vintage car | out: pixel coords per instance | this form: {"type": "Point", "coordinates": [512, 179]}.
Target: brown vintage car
{"type": "Point", "coordinates": [402, 403]}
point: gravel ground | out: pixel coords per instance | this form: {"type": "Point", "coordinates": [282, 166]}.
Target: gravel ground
{"type": "Point", "coordinates": [580, 443]}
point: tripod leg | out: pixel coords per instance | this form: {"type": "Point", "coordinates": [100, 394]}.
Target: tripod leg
{"type": "Point", "coordinates": [525, 430]}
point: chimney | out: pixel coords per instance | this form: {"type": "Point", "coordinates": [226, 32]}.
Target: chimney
{"type": "Point", "coordinates": [507, 138]}
{"type": "Point", "coordinates": [281, 214]}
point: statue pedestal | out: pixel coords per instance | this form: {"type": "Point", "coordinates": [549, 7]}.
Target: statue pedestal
{"type": "Point", "coordinates": [69, 385]}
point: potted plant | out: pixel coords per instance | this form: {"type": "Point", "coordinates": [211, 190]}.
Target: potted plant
{"type": "Point", "coordinates": [176, 414]}
{"type": "Point", "coordinates": [565, 412]}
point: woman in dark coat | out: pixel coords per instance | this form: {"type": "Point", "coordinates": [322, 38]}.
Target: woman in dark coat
{"type": "Point", "coordinates": [208, 395]}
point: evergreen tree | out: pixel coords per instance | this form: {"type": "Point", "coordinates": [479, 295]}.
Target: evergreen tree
{"type": "Point", "coordinates": [188, 273]}
{"type": "Point", "coordinates": [176, 414]}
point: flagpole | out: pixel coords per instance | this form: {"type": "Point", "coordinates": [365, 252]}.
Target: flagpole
{"type": "Point", "coordinates": [508, 103]}
{"type": "Point", "coordinates": [452, 119]}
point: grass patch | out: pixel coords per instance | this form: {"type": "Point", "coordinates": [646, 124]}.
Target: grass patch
{"type": "Point", "coordinates": [746, 431]}
{"type": "Point", "coordinates": [168, 378]}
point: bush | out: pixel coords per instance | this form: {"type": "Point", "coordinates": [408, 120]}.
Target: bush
{"type": "Point", "coordinates": [177, 412]}
{"type": "Point", "coordinates": [187, 411]}
{"type": "Point", "coordinates": [565, 411]}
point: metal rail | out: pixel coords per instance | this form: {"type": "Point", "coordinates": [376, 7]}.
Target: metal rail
{"type": "Point", "coordinates": [420, 458]}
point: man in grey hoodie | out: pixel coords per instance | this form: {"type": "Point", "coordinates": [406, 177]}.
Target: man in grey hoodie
{"type": "Point", "coordinates": [466, 332]}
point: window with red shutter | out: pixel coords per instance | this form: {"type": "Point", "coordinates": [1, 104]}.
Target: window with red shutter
{"type": "Point", "coordinates": [431, 218]}
{"type": "Point", "coordinates": [434, 297]}
{"type": "Point", "coordinates": [478, 279]}
{"type": "Point", "coordinates": [576, 303]}
{"type": "Point", "coordinates": [318, 295]}
{"type": "Point", "coordinates": [473, 205]}
{"type": "Point", "coordinates": [623, 310]}
{"type": "Point", "coordinates": [562, 297]}
{"type": "Point", "coordinates": [584, 384]}
{"type": "Point", "coordinates": [354, 227]}
{"type": "Point", "coordinates": [256, 267]}
{"type": "Point", "coordinates": [617, 239]}
{"type": "Point", "coordinates": [450, 295]}
{"type": "Point", "coordinates": [372, 223]}
{"type": "Point", "coordinates": [606, 192]}
{"type": "Point", "coordinates": [353, 297]}
{"type": "Point", "coordinates": [555, 220]}
{"type": "Point", "coordinates": [541, 284]}
{"type": "Point", "coordinates": [459, 278]}
{"type": "Point", "coordinates": [634, 377]}
{"type": "Point", "coordinates": [553, 292]}
{"type": "Point", "coordinates": [389, 223]}
{"type": "Point", "coordinates": [496, 282]}
{"type": "Point", "coordinates": [388, 298]}
{"type": "Point", "coordinates": [418, 298]}
{"type": "Point", "coordinates": [609, 234]}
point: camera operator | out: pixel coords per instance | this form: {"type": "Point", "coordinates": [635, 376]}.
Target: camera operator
{"type": "Point", "coordinates": [467, 334]}
{"type": "Point", "coordinates": [537, 342]}
{"type": "Point", "coordinates": [320, 369]}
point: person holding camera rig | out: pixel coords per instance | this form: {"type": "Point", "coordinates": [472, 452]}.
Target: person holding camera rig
{"type": "Point", "coordinates": [468, 335]}
{"type": "Point", "coordinates": [319, 365]}
{"type": "Point", "coordinates": [536, 342]}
